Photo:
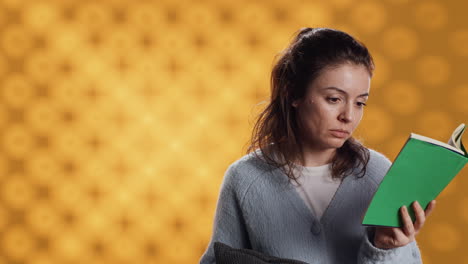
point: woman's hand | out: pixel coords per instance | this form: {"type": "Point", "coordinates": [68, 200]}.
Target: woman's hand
{"type": "Point", "coordinates": [392, 237]}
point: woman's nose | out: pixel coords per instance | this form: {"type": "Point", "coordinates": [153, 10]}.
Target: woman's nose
{"type": "Point", "coordinates": [346, 114]}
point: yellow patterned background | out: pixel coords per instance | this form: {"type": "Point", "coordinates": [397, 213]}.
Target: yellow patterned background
{"type": "Point", "coordinates": [118, 119]}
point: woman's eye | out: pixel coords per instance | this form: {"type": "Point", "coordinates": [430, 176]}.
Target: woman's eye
{"type": "Point", "coordinates": [333, 99]}
{"type": "Point", "coordinates": [361, 104]}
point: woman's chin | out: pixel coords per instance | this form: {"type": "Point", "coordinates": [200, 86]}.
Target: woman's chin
{"type": "Point", "coordinates": [338, 142]}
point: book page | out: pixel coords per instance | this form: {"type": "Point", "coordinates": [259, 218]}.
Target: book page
{"type": "Point", "coordinates": [436, 142]}
{"type": "Point", "coordinates": [455, 139]}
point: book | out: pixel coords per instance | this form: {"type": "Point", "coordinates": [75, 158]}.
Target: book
{"type": "Point", "coordinates": [420, 172]}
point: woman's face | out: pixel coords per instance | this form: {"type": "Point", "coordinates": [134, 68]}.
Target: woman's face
{"type": "Point", "coordinates": [333, 101]}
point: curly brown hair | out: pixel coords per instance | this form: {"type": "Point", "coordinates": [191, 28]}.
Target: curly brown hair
{"type": "Point", "coordinates": [275, 132]}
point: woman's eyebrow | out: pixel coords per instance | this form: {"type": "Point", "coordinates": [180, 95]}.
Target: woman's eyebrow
{"type": "Point", "coordinates": [344, 92]}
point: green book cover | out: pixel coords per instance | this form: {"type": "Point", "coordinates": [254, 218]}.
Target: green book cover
{"type": "Point", "coordinates": [422, 169]}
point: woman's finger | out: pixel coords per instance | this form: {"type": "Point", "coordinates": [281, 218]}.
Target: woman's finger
{"type": "Point", "coordinates": [400, 236]}
{"type": "Point", "coordinates": [420, 216]}
{"type": "Point", "coordinates": [408, 227]}
{"type": "Point", "coordinates": [430, 207]}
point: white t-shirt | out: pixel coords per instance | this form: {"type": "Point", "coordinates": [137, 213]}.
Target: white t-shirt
{"type": "Point", "coordinates": [317, 187]}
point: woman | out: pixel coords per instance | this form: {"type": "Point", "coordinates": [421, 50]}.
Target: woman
{"type": "Point", "coordinates": [303, 188]}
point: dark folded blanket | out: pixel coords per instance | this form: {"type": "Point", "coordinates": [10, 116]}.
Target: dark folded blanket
{"type": "Point", "coordinates": [225, 254]}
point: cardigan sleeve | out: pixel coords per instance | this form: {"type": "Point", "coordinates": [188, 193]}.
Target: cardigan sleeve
{"type": "Point", "coordinates": [368, 253]}
{"type": "Point", "coordinates": [229, 224]}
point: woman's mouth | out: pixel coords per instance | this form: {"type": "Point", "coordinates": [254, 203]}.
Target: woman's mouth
{"type": "Point", "coordinates": [339, 133]}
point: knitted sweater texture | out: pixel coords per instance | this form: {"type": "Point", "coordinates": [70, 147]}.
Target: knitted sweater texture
{"type": "Point", "coordinates": [259, 209]}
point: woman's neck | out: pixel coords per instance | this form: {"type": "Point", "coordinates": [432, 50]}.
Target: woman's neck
{"type": "Point", "coordinates": [316, 157]}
